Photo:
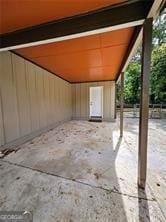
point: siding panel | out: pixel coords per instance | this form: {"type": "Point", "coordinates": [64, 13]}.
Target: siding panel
{"type": "Point", "coordinates": [22, 95]}
{"type": "Point", "coordinates": [2, 139]}
{"type": "Point", "coordinates": [34, 103]}
{"type": "Point", "coordinates": [80, 99]}
{"type": "Point", "coordinates": [31, 99]}
{"type": "Point", "coordinates": [9, 98]}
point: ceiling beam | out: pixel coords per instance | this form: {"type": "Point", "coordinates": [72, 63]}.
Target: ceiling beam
{"type": "Point", "coordinates": [130, 13]}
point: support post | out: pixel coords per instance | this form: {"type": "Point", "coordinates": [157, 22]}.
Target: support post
{"type": "Point", "coordinates": [144, 103]}
{"type": "Point", "coordinates": [121, 103]}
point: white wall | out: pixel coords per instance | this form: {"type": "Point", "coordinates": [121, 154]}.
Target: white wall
{"type": "Point", "coordinates": [31, 99]}
{"type": "Point", "coordinates": [80, 100]}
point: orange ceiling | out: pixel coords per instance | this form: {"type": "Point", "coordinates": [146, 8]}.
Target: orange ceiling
{"type": "Point", "coordinates": [18, 14]}
{"type": "Point", "coordinates": [91, 58]}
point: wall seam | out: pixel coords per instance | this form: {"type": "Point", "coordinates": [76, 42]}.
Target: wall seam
{"type": "Point", "coordinates": [17, 102]}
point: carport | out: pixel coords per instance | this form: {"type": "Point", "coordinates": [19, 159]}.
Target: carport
{"type": "Point", "coordinates": [81, 44]}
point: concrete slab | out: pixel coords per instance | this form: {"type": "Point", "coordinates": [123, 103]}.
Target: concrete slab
{"type": "Point", "coordinates": [92, 160]}
{"type": "Point", "coordinates": [56, 199]}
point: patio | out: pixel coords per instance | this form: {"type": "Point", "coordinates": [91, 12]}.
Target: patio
{"type": "Point", "coordinates": [82, 171]}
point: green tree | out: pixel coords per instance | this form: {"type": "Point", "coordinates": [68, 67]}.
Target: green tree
{"type": "Point", "coordinates": [132, 83]}
{"type": "Point", "coordinates": [158, 67]}
{"type": "Point", "coordinates": [159, 30]}
{"type": "Point", "coordinates": [158, 74]}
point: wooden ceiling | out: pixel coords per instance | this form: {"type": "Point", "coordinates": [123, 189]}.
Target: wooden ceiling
{"type": "Point", "coordinates": [19, 14]}
{"type": "Point", "coordinates": [92, 58]}
{"type": "Point", "coordinates": [96, 57]}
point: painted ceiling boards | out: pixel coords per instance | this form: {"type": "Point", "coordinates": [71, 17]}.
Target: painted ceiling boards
{"type": "Point", "coordinates": [19, 14]}
{"type": "Point", "coordinates": [96, 57]}
{"type": "Point", "coordinates": [92, 58]}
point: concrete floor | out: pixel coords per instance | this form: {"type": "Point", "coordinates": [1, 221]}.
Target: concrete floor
{"type": "Point", "coordinates": [82, 172]}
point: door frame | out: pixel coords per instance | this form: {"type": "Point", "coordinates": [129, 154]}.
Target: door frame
{"type": "Point", "coordinates": [101, 99]}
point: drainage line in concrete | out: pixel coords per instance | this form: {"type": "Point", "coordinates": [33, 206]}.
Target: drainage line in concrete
{"type": "Point", "coordinates": [76, 181]}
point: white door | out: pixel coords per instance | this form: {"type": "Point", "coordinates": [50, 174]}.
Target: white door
{"type": "Point", "coordinates": [96, 94]}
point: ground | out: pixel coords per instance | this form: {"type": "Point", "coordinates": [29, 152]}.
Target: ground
{"type": "Point", "coordinates": [83, 172]}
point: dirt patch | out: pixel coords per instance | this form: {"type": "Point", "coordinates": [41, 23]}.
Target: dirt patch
{"type": "Point", "coordinates": [97, 175]}
{"type": "Point", "coordinates": [6, 152]}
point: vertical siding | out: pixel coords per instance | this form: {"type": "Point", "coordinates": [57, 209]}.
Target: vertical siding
{"type": "Point", "coordinates": [2, 139]}
{"type": "Point", "coordinates": [51, 101]}
{"type": "Point", "coordinates": [23, 103]}
{"type": "Point", "coordinates": [40, 95]}
{"type": "Point", "coordinates": [80, 102]}
{"type": "Point", "coordinates": [74, 101]}
{"type": "Point", "coordinates": [113, 96]}
{"type": "Point", "coordinates": [31, 98]}
{"type": "Point", "coordinates": [83, 100]}
{"type": "Point", "coordinates": [47, 99]}
{"type": "Point", "coordinates": [60, 99]}
{"type": "Point", "coordinates": [9, 98]}
{"type": "Point", "coordinates": [107, 100]}
{"type": "Point", "coordinates": [56, 99]}
{"type": "Point", "coordinates": [1, 115]}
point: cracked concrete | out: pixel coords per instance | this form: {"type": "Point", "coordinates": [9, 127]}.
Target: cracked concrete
{"type": "Point", "coordinates": [82, 171]}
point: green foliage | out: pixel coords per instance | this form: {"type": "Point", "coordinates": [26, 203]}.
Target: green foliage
{"type": "Point", "coordinates": [159, 31]}
{"type": "Point", "coordinates": [158, 74]}
{"type": "Point", "coordinates": [158, 68]}
{"type": "Point", "coordinates": [132, 83]}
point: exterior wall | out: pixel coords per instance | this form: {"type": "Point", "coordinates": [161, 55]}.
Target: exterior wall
{"type": "Point", "coordinates": [80, 100]}
{"type": "Point", "coordinates": [31, 99]}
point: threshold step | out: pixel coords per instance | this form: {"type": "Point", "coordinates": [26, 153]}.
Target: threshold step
{"type": "Point", "coordinates": [95, 119]}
